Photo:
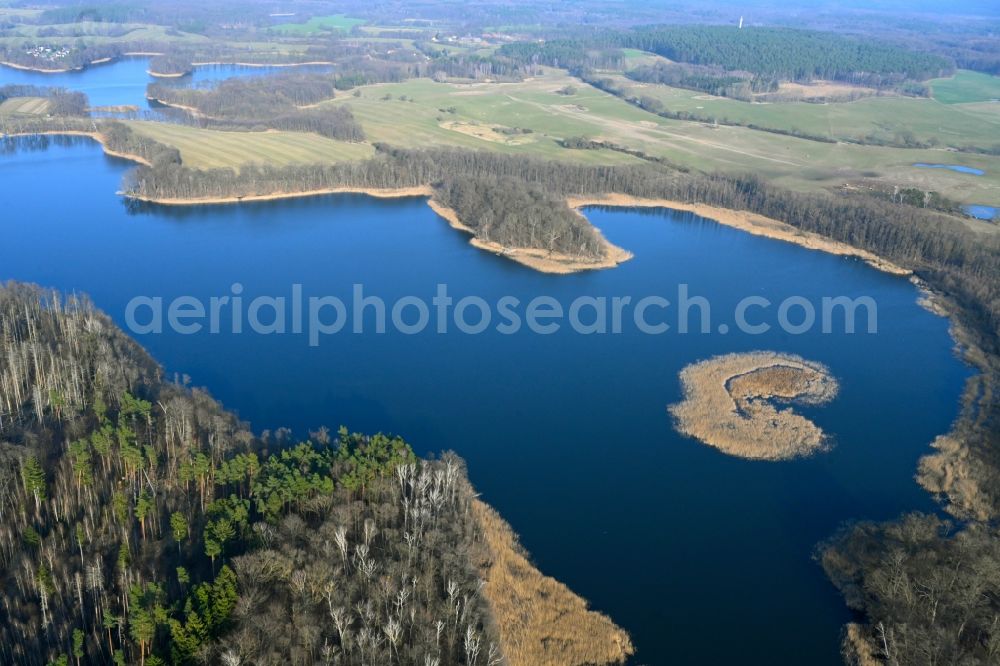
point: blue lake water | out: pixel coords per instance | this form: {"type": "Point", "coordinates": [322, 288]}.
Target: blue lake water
{"type": "Point", "coordinates": [952, 167]}
{"type": "Point", "coordinates": [981, 212]}
{"type": "Point", "coordinates": [704, 558]}
{"type": "Point", "coordinates": [124, 81]}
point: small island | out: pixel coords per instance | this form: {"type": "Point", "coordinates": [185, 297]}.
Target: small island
{"type": "Point", "coordinates": [730, 403]}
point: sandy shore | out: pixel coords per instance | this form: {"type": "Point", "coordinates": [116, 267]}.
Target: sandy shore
{"type": "Point", "coordinates": [164, 75]}
{"type": "Point", "coordinates": [380, 193]}
{"type": "Point", "coordinates": [40, 70]}
{"type": "Point", "coordinates": [267, 64]}
{"type": "Point", "coordinates": [44, 70]}
{"type": "Point", "coordinates": [752, 223]}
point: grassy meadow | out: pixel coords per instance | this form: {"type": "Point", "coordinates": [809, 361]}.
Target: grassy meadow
{"type": "Point", "coordinates": [24, 106]}
{"type": "Point", "coordinates": [966, 87]}
{"type": "Point", "coordinates": [207, 149]}
{"type": "Point", "coordinates": [886, 117]}
{"type": "Point", "coordinates": [420, 112]}
{"type": "Point", "coordinates": [317, 24]}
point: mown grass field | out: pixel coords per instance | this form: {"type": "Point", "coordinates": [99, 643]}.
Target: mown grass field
{"type": "Point", "coordinates": [318, 24]}
{"type": "Point", "coordinates": [966, 87]}
{"type": "Point", "coordinates": [468, 115]}
{"type": "Point", "coordinates": [886, 118]}
{"type": "Point", "coordinates": [20, 106]}
{"type": "Point", "coordinates": [206, 149]}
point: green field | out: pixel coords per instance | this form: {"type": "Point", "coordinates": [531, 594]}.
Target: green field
{"type": "Point", "coordinates": [966, 87]}
{"type": "Point", "coordinates": [318, 24]}
{"type": "Point", "coordinates": [886, 118]}
{"type": "Point", "coordinates": [475, 115]}
{"type": "Point", "coordinates": [22, 106]}
{"type": "Point", "coordinates": [206, 149]}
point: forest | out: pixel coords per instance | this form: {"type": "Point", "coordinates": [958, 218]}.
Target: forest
{"type": "Point", "coordinates": [170, 64]}
{"type": "Point", "coordinates": [145, 525]}
{"type": "Point", "coordinates": [789, 54]}
{"type": "Point", "coordinates": [280, 101]}
{"type": "Point", "coordinates": [768, 54]}
{"type": "Point", "coordinates": [516, 215]}
{"type": "Point", "coordinates": [931, 591]}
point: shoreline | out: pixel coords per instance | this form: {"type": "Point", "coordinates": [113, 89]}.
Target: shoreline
{"type": "Point", "coordinates": [536, 258]}
{"type": "Point", "coordinates": [171, 105]}
{"type": "Point", "coordinates": [40, 70]}
{"type": "Point", "coordinates": [96, 136]}
{"type": "Point", "coordinates": [164, 75]}
{"type": "Point", "coordinates": [313, 63]}
{"type": "Point", "coordinates": [378, 193]}
{"type": "Point", "coordinates": [45, 70]}
{"type": "Point", "coordinates": [539, 619]}
{"type": "Point", "coordinates": [559, 264]}
{"type": "Point", "coordinates": [151, 54]}
{"type": "Point", "coordinates": [752, 223]}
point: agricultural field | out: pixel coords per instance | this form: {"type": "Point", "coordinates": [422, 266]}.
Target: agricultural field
{"type": "Point", "coordinates": [207, 149]}
{"type": "Point", "coordinates": [887, 118]}
{"type": "Point", "coordinates": [20, 106]}
{"type": "Point", "coordinates": [966, 87]}
{"type": "Point", "coordinates": [318, 24]}
{"type": "Point", "coordinates": [421, 112]}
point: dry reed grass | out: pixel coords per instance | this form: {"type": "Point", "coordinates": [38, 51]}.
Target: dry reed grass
{"type": "Point", "coordinates": [541, 621]}
{"type": "Point", "coordinates": [729, 403]}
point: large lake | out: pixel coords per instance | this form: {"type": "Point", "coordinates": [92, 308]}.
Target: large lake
{"type": "Point", "coordinates": [706, 559]}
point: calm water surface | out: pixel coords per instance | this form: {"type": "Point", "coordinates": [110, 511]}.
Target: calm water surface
{"type": "Point", "coordinates": [124, 81]}
{"type": "Point", "coordinates": [953, 167]}
{"type": "Point", "coordinates": [705, 558]}
{"type": "Point", "coordinates": [981, 212]}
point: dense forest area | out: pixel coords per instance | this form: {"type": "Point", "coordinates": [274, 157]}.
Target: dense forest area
{"type": "Point", "coordinates": [170, 64]}
{"type": "Point", "coordinates": [931, 592]}
{"type": "Point", "coordinates": [145, 525]}
{"type": "Point", "coordinates": [724, 60]}
{"type": "Point", "coordinates": [518, 215]}
{"type": "Point", "coordinates": [281, 101]}
{"type": "Point", "coordinates": [797, 55]}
